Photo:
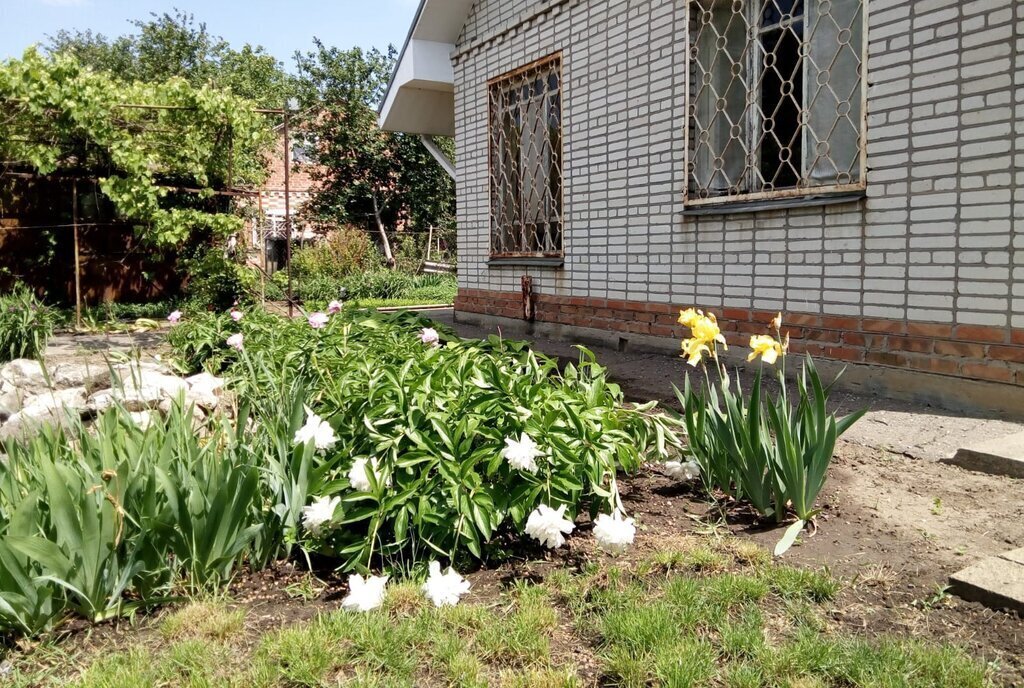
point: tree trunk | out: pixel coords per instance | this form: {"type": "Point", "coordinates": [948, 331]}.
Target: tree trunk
{"type": "Point", "coordinates": [385, 243]}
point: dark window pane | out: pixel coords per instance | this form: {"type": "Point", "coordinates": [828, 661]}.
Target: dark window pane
{"type": "Point", "coordinates": [775, 11]}
{"type": "Point", "coordinates": [781, 104]}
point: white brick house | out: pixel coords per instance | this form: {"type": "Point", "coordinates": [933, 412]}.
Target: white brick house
{"type": "Point", "coordinates": [856, 164]}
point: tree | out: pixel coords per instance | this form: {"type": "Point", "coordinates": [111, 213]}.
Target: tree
{"type": "Point", "coordinates": [160, 168]}
{"type": "Point", "coordinates": [174, 45]}
{"type": "Point", "coordinates": [365, 173]}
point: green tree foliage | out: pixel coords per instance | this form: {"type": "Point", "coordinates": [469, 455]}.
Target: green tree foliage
{"type": "Point", "coordinates": [159, 167]}
{"type": "Point", "coordinates": [174, 45]}
{"type": "Point", "coordinates": [367, 177]}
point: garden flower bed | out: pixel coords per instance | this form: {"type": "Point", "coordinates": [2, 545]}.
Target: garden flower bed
{"type": "Point", "coordinates": [380, 451]}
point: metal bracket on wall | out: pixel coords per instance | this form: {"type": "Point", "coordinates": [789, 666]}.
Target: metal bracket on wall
{"type": "Point", "coordinates": [442, 159]}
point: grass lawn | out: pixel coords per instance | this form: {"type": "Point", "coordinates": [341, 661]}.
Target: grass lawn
{"type": "Point", "coordinates": [706, 611]}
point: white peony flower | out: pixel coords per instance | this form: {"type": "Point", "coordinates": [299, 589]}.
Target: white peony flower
{"type": "Point", "coordinates": [319, 513]}
{"type": "Point", "coordinates": [236, 314]}
{"type": "Point", "coordinates": [614, 534]}
{"type": "Point", "coordinates": [334, 307]}
{"type": "Point", "coordinates": [444, 588]}
{"type": "Point", "coordinates": [357, 475]}
{"type": "Point", "coordinates": [546, 525]}
{"type": "Point", "coordinates": [318, 430]}
{"type": "Point", "coordinates": [174, 317]}
{"type": "Point", "coordinates": [521, 455]}
{"type": "Point", "coordinates": [682, 470]}
{"type": "Point", "coordinates": [364, 594]}
{"type": "Point", "coordinates": [317, 320]}
{"type": "Point", "coordinates": [429, 336]}
{"type": "Point", "coordinates": [236, 341]}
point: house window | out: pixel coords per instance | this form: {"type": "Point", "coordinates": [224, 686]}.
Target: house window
{"type": "Point", "coordinates": [776, 98]}
{"type": "Point", "coordinates": [526, 161]}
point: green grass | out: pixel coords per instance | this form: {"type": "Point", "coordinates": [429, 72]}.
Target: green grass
{"type": "Point", "coordinates": [711, 613]}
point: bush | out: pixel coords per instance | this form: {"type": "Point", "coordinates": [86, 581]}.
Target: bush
{"type": "Point", "coordinates": [215, 282]}
{"type": "Point", "coordinates": [338, 254]}
{"type": "Point", "coordinates": [103, 520]}
{"type": "Point", "coordinates": [378, 285]}
{"type": "Point", "coordinates": [26, 324]}
{"type": "Point", "coordinates": [430, 423]}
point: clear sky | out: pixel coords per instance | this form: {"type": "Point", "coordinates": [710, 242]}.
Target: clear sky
{"type": "Point", "coordinates": [281, 26]}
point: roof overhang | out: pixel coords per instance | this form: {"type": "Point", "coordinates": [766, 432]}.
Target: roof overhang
{"type": "Point", "coordinates": [421, 94]}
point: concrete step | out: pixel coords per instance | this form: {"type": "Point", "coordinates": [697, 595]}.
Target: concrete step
{"type": "Point", "coordinates": [998, 456]}
{"type": "Point", "coordinates": [996, 582]}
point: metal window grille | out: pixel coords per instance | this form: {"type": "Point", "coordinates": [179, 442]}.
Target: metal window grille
{"type": "Point", "coordinates": [776, 98]}
{"type": "Point", "coordinates": [525, 116]}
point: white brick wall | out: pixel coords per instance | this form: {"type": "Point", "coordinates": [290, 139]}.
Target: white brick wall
{"type": "Point", "coordinates": [936, 239]}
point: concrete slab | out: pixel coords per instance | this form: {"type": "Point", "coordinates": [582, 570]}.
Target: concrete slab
{"type": "Point", "coordinates": [1014, 555]}
{"type": "Point", "coordinates": [996, 582]}
{"type": "Point", "coordinates": [998, 456]}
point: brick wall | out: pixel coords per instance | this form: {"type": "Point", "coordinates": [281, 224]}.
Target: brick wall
{"type": "Point", "coordinates": [300, 184]}
{"type": "Point", "coordinates": [929, 254]}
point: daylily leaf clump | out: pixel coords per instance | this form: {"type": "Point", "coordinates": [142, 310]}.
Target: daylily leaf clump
{"type": "Point", "coordinates": [771, 452]}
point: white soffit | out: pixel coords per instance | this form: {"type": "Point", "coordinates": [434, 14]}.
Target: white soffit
{"type": "Point", "coordinates": [421, 95]}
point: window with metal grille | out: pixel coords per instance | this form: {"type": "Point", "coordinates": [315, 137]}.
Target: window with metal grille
{"type": "Point", "coordinates": [526, 161]}
{"type": "Point", "coordinates": [776, 99]}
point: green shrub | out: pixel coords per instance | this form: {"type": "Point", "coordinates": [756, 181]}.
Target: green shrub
{"type": "Point", "coordinates": [215, 282]}
{"type": "Point", "coordinates": [26, 324]}
{"type": "Point", "coordinates": [433, 420]}
{"type": "Point", "coordinates": [340, 253]}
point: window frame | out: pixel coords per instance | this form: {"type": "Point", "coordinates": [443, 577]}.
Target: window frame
{"type": "Point", "coordinates": [785, 196]}
{"type": "Point", "coordinates": [550, 258]}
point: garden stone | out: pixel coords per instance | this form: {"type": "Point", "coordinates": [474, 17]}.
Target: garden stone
{"type": "Point", "coordinates": [11, 400]}
{"type": "Point", "coordinates": [139, 393]}
{"type": "Point", "coordinates": [198, 415]}
{"type": "Point", "coordinates": [144, 419]}
{"type": "Point", "coordinates": [997, 456]}
{"type": "Point", "coordinates": [59, 408]}
{"type": "Point", "coordinates": [996, 582]}
{"type": "Point", "coordinates": [66, 375]}
{"type": "Point", "coordinates": [204, 390]}
{"type": "Point", "coordinates": [26, 374]}
{"type": "Point", "coordinates": [124, 373]}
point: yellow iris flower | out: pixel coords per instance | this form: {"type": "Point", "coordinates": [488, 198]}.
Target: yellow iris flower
{"type": "Point", "coordinates": [693, 350]}
{"type": "Point", "coordinates": [766, 347]}
{"type": "Point", "coordinates": [706, 329]}
{"type": "Point", "coordinates": [689, 316]}
{"type": "Point", "coordinates": [705, 335]}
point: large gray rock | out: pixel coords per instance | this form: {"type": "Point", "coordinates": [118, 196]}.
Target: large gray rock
{"type": "Point", "coordinates": [12, 399]}
{"type": "Point", "coordinates": [123, 373]}
{"type": "Point", "coordinates": [57, 408]}
{"type": "Point", "coordinates": [71, 374]}
{"type": "Point", "coordinates": [144, 419]}
{"type": "Point", "coordinates": [144, 390]}
{"type": "Point", "coordinates": [204, 390]}
{"type": "Point", "coordinates": [25, 374]}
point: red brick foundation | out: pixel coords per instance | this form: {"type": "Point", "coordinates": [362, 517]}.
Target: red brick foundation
{"type": "Point", "coordinates": [966, 351]}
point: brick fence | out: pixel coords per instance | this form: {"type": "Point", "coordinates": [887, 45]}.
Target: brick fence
{"type": "Point", "coordinates": [973, 352]}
